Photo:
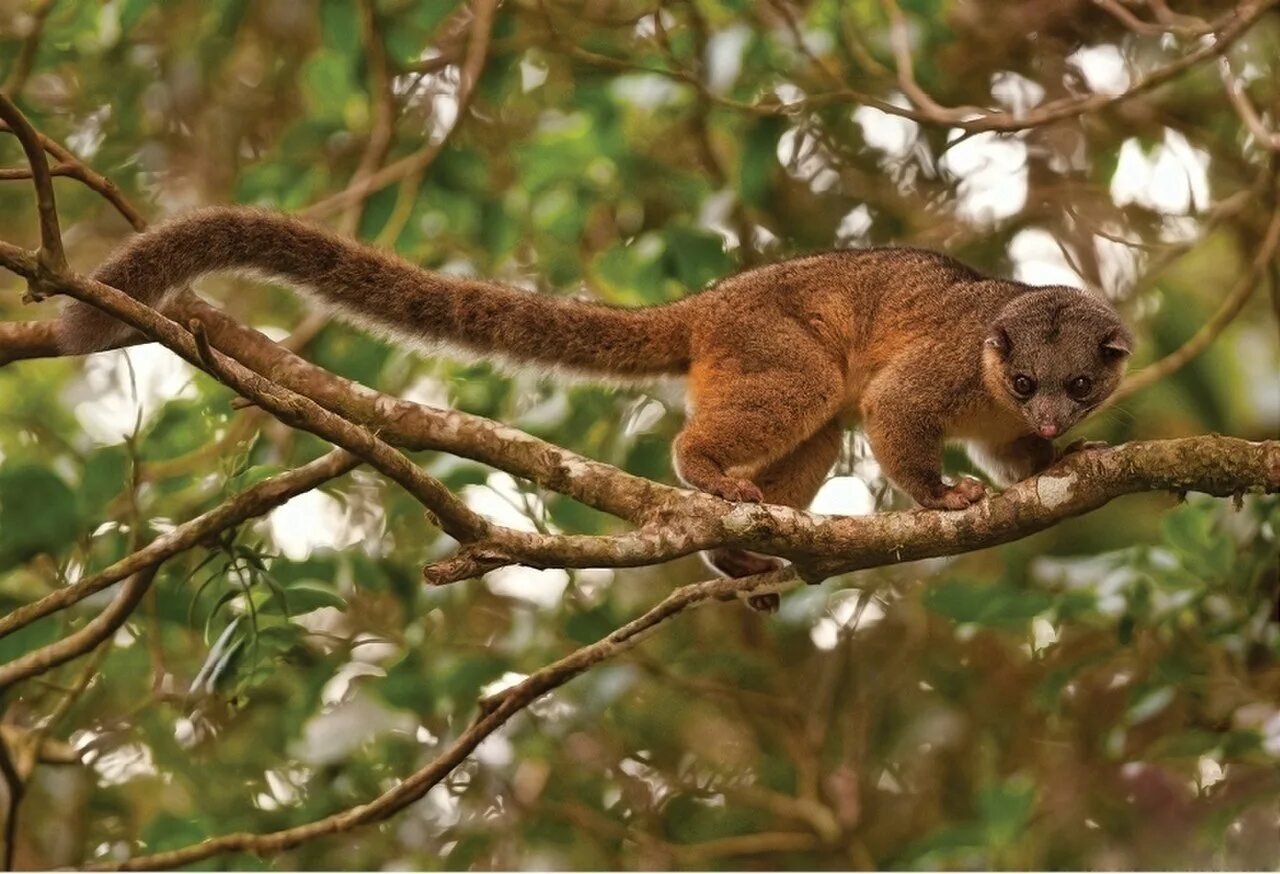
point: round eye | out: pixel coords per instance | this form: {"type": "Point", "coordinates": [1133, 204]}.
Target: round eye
{"type": "Point", "coordinates": [1080, 387]}
{"type": "Point", "coordinates": [1024, 386]}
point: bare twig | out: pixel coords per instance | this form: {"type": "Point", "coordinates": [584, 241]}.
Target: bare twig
{"type": "Point", "coordinates": [72, 167]}
{"type": "Point", "coordinates": [76, 644]}
{"type": "Point", "coordinates": [1226, 313]}
{"type": "Point", "coordinates": [1266, 139]}
{"type": "Point", "coordinates": [51, 256]}
{"type": "Point", "coordinates": [16, 786]}
{"type": "Point", "coordinates": [23, 64]}
{"type": "Point", "coordinates": [407, 167]}
{"type": "Point", "coordinates": [970, 119]}
{"type": "Point", "coordinates": [383, 121]}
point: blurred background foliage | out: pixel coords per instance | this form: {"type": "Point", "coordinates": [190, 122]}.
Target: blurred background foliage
{"type": "Point", "coordinates": [1104, 694]}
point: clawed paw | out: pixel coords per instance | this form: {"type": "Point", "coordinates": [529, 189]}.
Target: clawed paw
{"type": "Point", "coordinates": [738, 563]}
{"type": "Point", "coordinates": [966, 492]}
{"type": "Point", "coordinates": [738, 491]}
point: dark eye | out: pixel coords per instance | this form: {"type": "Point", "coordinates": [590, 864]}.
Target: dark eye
{"type": "Point", "coordinates": [1080, 387]}
{"type": "Point", "coordinates": [1024, 386]}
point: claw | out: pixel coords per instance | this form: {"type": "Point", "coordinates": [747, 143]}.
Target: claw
{"type": "Point", "coordinates": [966, 492]}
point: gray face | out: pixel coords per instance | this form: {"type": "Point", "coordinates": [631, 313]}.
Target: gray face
{"type": "Point", "coordinates": [1061, 352]}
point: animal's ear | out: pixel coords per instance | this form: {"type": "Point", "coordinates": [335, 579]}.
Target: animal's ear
{"type": "Point", "coordinates": [998, 339]}
{"type": "Point", "coordinates": [1117, 345]}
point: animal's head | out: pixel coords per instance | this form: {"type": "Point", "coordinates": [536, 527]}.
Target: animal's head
{"type": "Point", "coordinates": [1053, 355]}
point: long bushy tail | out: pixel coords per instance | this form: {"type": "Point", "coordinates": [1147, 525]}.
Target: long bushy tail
{"type": "Point", "coordinates": [379, 289]}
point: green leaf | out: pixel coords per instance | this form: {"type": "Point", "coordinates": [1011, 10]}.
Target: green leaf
{"type": "Point", "coordinates": [38, 513]}
{"type": "Point", "coordinates": [307, 595]}
{"type": "Point", "coordinates": [698, 256]}
{"type": "Point", "coordinates": [993, 606]}
{"type": "Point", "coordinates": [1006, 808]}
{"type": "Point", "coordinates": [340, 26]}
{"type": "Point", "coordinates": [758, 162]}
{"type": "Point", "coordinates": [106, 475]}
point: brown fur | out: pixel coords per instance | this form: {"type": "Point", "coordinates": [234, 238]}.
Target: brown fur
{"type": "Point", "coordinates": [916, 345]}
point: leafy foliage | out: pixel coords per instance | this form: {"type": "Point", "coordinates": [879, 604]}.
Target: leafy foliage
{"type": "Point", "coordinates": [1100, 695]}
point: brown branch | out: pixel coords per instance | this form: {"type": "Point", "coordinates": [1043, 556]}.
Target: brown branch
{"type": "Point", "coordinates": [76, 644]}
{"type": "Point", "coordinates": [452, 516]}
{"type": "Point", "coordinates": [494, 713]}
{"type": "Point", "coordinates": [15, 786]}
{"type": "Point", "coordinates": [25, 62]}
{"type": "Point", "coordinates": [50, 752]}
{"type": "Point", "coordinates": [250, 503]}
{"type": "Point", "coordinates": [696, 855]}
{"type": "Point", "coordinates": [1266, 139]}
{"type": "Point", "coordinates": [1237, 24]}
{"type": "Point", "coordinates": [1122, 14]}
{"type": "Point", "coordinates": [899, 39]}
{"type": "Point", "coordinates": [419, 161]}
{"type": "Point", "coordinates": [1231, 306]}
{"type": "Point", "coordinates": [925, 110]}
{"type": "Point", "coordinates": [383, 122]}
{"type": "Point", "coordinates": [51, 254]}
{"type": "Point", "coordinates": [71, 166]}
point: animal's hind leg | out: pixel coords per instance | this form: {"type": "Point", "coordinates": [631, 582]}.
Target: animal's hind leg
{"type": "Point", "coordinates": [743, 422]}
{"type": "Point", "coordinates": [792, 480]}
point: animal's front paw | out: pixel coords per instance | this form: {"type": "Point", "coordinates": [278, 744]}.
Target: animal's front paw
{"type": "Point", "coordinates": [737, 490]}
{"type": "Point", "coordinates": [965, 492]}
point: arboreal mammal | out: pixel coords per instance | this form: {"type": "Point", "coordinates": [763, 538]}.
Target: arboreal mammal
{"type": "Point", "coordinates": [779, 359]}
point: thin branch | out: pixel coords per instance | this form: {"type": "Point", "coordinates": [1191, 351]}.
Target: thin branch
{"type": "Point", "coordinates": [973, 120]}
{"type": "Point", "coordinates": [71, 166]}
{"type": "Point", "coordinates": [1266, 139]}
{"type": "Point", "coordinates": [25, 62]}
{"type": "Point", "coordinates": [51, 752]}
{"type": "Point", "coordinates": [1231, 306]}
{"type": "Point", "coordinates": [383, 122]}
{"type": "Point", "coordinates": [250, 503]}
{"type": "Point", "coordinates": [15, 786]}
{"type": "Point", "coordinates": [76, 644]}
{"type": "Point", "coordinates": [1122, 14]}
{"type": "Point", "coordinates": [1238, 23]}
{"type": "Point", "coordinates": [51, 256]}
{"type": "Point", "coordinates": [477, 49]}
{"type": "Point", "coordinates": [697, 855]}
{"type": "Point", "coordinates": [452, 516]}
{"type": "Point", "coordinates": [900, 40]}
{"type": "Point", "coordinates": [494, 712]}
